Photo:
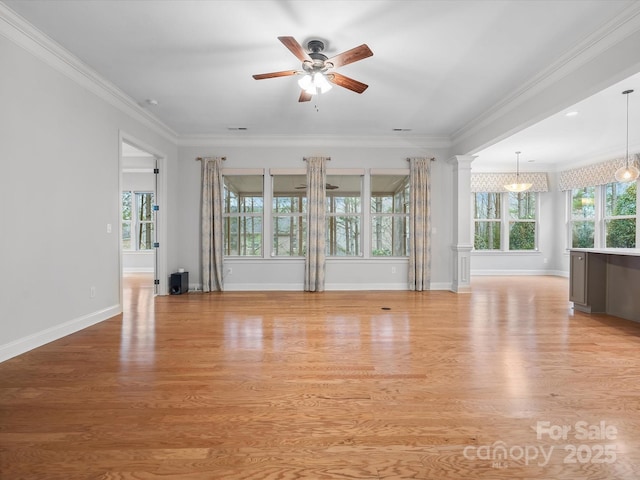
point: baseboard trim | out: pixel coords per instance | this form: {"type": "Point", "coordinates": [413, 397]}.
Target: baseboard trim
{"type": "Point", "coordinates": [294, 287]}
{"type": "Point", "coordinates": [497, 273]}
{"type": "Point", "coordinates": [35, 340]}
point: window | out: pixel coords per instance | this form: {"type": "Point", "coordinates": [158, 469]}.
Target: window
{"type": "Point", "coordinates": [487, 220]}
{"type": "Point", "coordinates": [620, 215]}
{"type": "Point", "coordinates": [583, 217]}
{"type": "Point", "coordinates": [522, 221]}
{"type": "Point", "coordinates": [137, 221]}
{"type": "Point", "coordinates": [505, 221]}
{"type": "Point", "coordinates": [389, 215]}
{"type": "Point", "coordinates": [243, 209]}
{"type": "Point", "coordinates": [289, 215]}
{"type": "Point", "coordinates": [344, 215]}
{"type": "Point", "coordinates": [603, 216]}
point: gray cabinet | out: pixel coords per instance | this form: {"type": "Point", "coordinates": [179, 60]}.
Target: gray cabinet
{"type": "Point", "coordinates": [588, 281]}
{"type": "Point", "coordinates": [578, 278]}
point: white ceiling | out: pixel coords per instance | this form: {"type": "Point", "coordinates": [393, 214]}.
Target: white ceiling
{"type": "Point", "coordinates": [437, 67]}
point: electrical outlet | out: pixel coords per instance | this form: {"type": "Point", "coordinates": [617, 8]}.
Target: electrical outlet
{"type": "Point", "coordinates": [393, 269]}
{"type": "Point", "coordinates": [108, 228]}
{"type": "Point", "coordinates": [92, 292]}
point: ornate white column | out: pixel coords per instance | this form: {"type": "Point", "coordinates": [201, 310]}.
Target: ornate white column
{"type": "Point", "coordinates": [462, 234]}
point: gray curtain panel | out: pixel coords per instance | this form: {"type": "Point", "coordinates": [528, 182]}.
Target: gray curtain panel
{"type": "Point", "coordinates": [419, 224]}
{"type": "Point", "coordinates": [314, 265]}
{"type": "Point", "coordinates": [212, 225]}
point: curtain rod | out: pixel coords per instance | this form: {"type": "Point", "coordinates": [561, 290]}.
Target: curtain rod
{"type": "Point", "coordinates": [224, 159]}
{"type": "Point", "coordinates": [433, 159]}
{"type": "Point", "coordinates": [328, 159]}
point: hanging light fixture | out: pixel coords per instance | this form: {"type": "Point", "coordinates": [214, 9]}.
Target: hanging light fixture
{"type": "Point", "coordinates": [628, 173]}
{"type": "Point", "coordinates": [518, 186]}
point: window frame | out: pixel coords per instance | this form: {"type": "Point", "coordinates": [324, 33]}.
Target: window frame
{"type": "Point", "coordinates": [394, 215]}
{"type": "Point", "coordinates": [600, 231]}
{"type": "Point", "coordinates": [332, 216]}
{"type": "Point", "coordinates": [228, 215]}
{"type": "Point", "coordinates": [135, 222]}
{"type": "Point", "coordinates": [300, 215]}
{"type": "Point", "coordinates": [505, 222]}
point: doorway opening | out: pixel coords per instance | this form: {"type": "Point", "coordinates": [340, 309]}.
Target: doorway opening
{"type": "Point", "coordinates": [140, 228]}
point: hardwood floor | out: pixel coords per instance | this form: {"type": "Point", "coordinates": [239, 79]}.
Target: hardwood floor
{"type": "Point", "coordinates": [334, 385]}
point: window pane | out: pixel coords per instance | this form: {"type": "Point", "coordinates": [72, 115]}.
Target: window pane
{"type": "Point", "coordinates": [126, 235]}
{"type": "Point", "coordinates": [145, 236]}
{"type": "Point", "coordinates": [583, 234]}
{"type": "Point", "coordinates": [621, 233]}
{"type": "Point", "coordinates": [289, 235]}
{"type": "Point", "coordinates": [243, 193]}
{"type": "Point", "coordinates": [343, 235]}
{"type": "Point", "coordinates": [144, 201]}
{"type": "Point", "coordinates": [126, 205]}
{"type": "Point", "coordinates": [487, 236]}
{"type": "Point", "coordinates": [343, 204]}
{"type": "Point", "coordinates": [243, 236]}
{"type": "Point", "coordinates": [522, 206]}
{"type": "Point", "coordinates": [389, 236]}
{"type": "Point", "coordinates": [289, 193]}
{"type": "Point", "coordinates": [620, 199]}
{"type": "Point", "coordinates": [583, 203]}
{"type": "Point", "coordinates": [487, 205]}
{"type": "Point", "coordinates": [389, 193]}
{"type": "Point", "coordinates": [244, 205]}
{"type": "Point", "coordinates": [522, 236]}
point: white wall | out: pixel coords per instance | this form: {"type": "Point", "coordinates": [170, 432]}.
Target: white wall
{"type": "Point", "coordinates": [59, 189]}
{"type": "Point", "coordinates": [342, 273]}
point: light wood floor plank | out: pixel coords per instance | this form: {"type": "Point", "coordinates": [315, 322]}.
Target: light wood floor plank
{"type": "Point", "coordinates": [333, 385]}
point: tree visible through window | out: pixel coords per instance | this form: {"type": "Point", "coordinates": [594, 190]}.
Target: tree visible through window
{"type": "Point", "coordinates": [137, 220]}
{"type": "Point", "coordinates": [487, 220]}
{"type": "Point", "coordinates": [522, 221]}
{"type": "Point", "coordinates": [505, 221]}
{"type": "Point", "coordinates": [344, 215]}
{"type": "Point", "coordinates": [620, 215]}
{"type": "Point", "coordinates": [289, 215]}
{"type": "Point", "coordinates": [389, 215]}
{"type": "Point", "coordinates": [583, 217]}
{"type": "Point", "coordinates": [243, 208]}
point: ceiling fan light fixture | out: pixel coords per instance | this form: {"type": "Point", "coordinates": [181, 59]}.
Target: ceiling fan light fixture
{"type": "Point", "coordinates": [629, 172]}
{"type": "Point", "coordinates": [517, 186]}
{"type": "Point", "coordinates": [314, 83]}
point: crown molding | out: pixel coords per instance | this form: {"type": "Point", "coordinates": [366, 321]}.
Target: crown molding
{"type": "Point", "coordinates": [245, 140]}
{"type": "Point", "coordinates": [22, 33]}
{"type": "Point", "coordinates": [613, 32]}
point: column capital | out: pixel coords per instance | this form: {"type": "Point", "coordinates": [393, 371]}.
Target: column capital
{"type": "Point", "coordinates": [462, 160]}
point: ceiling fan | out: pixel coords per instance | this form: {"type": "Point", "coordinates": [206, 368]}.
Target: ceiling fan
{"type": "Point", "coordinates": [318, 69]}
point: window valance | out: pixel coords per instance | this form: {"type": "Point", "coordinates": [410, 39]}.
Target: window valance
{"type": "Point", "coordinates": [495, 182]}
{"type": "Point", "coordinates": [592, 175]}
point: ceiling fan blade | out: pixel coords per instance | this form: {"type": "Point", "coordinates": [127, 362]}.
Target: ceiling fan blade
{"type": "Point", "coordinates": [304, 96]}
{"type": "Point", "coordinates": [350, 56]}
{"type": "Point", "coordinates": [284, 73]}
{"type": "Point", "coordinates": [295, 48]}
{"type": "Point", "coordinates": [346, 82]}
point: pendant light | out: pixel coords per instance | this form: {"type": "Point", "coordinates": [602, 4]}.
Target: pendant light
{"type": "Point", "coordinates": [628, 173]}
{"type": "Point", "coordinates": [518, 186]}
